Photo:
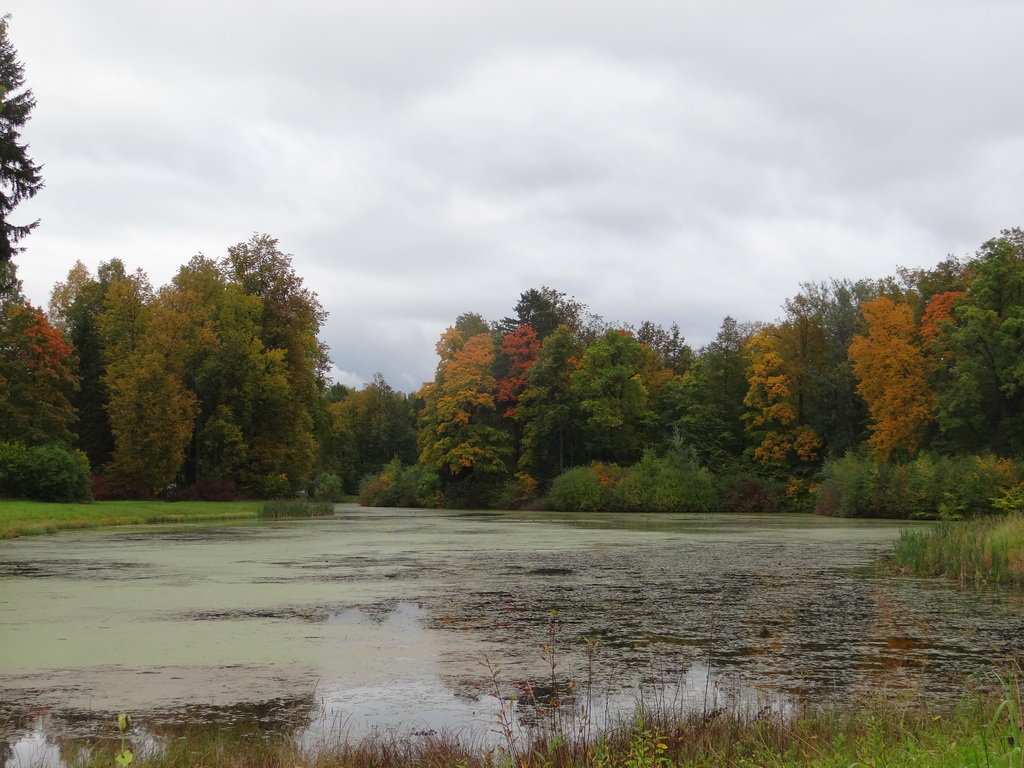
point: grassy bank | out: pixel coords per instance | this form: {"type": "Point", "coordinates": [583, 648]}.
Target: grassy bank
{"type": "Point", "coordinates": [985, 730]}
{"type": "Point", "coordinates": [987, 549]}
{"type": "Point", "coordinates": [26, 518]}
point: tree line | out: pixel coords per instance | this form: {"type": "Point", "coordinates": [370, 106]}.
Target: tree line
{"type": "Point", "coordinates": [874, 372]}
{"type": "Point", "coordinates": [214, 386]}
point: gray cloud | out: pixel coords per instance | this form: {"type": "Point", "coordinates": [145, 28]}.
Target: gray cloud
{"type": "Point", "coordinates": [658, 160]}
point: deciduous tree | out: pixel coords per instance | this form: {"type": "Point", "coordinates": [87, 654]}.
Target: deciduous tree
{"type": "Point", "coordinates": [892, 376]}
{"type": "Point", "coordinates": [457, 431]}
{"type": "Point", "coordinates": [783, 441]}
{"type": "Point", "coordinates": [36, 377]}
{"type": "Point", "coordinates": [549, 410]}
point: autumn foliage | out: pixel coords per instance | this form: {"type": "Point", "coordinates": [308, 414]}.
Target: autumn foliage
{"type": "Point", "coordinates": [892, 377]}
{"type": "Point", "coordinates": [36, 377]}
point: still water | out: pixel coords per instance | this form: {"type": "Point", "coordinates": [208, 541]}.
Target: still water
{"type": "Point", "coordinates": [388, 618]}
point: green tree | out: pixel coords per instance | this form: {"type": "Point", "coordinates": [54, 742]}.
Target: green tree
{"type": "Point", "coordinates": [282, 438]}
{"type": "Point", "coordinates": [703, 409]}
{"type": "Point", "coordinates": [672, 349]}
{"type": "Point", "coordinates": [20, 177]}
{"type": "Point", "coordinates": [75, 308]}
{"type": "Point", "coordinates": [981, 405]}
{"type": "Point", "coordinates": [368, 429]}
{"type": "Point", "coordinates": [545, 310]}
{"type": "Point", "coordinates": [549, 410]}
{"type": "Point", "coordinates": [832, 406]}
{"type": "Point", "coordinates": [611, 390]}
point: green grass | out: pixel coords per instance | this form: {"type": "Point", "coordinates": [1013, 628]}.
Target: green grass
{"type": "Point", "coordinates": [983, 730]}
{"type": "Point", "coordinates": [27, 518]}
{"type": "Point", "coordinates": [988, 549]}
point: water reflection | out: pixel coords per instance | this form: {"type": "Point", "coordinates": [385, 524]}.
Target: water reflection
{"type": "Point", "coordinates": [375, 619]}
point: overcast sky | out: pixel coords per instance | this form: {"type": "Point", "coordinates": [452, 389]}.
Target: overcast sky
{"type": "Point", "coordinates": [675, 161]}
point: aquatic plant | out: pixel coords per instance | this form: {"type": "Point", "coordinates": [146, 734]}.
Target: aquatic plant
{"type": "Point", "coordinates": [987, 549]}
{"type": "Point", "coordinates": [280, 509]}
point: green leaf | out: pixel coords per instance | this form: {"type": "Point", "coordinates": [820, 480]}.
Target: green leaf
{"type": "Point", "coordinates": [125, 758]}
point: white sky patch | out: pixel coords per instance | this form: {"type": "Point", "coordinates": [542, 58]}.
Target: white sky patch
{"type": "Point", "coordinates": [348, 378]}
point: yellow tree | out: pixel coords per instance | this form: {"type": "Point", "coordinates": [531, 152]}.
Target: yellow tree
{"type": "Point", "coordinates": [892, 377]}
{"type": "Point", "coordinates": [151, 410]}
{"type": "Point", "coordinates": [774, 399]}
{"type": "Point", "coordinates": [456, 425]}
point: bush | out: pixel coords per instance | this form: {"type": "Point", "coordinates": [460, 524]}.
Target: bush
{"type": "Point", "coordinates": [400, 486]}
{"type": "Point", "coordinates": [328, 487]}
{"type": "Point", "coordinates": [669, 484]}
{"type": "Point", "coordinates": [486, 491]}
{"type": "Point", "coordinates": [581, 489]}
{"type": "Point", "coordinates": [104, 488]}
{"type": "Point", "coordinates": [274, 487]}
{"type": "Point", "coordinates": [216, 489]}
{"type": "Point", "coordinates": [929, 487]}
{"type": "Point", "coordinates": [44, 473]}
{"type": "Point", "coordinates": [746, 493]}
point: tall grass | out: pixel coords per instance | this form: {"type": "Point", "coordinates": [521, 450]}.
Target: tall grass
{"type": "Point", "coordinates": [987, 549]}
{"type": "Point", "coordinates": [983, 730]}
{"type": "Point", "coordinates": [285, 509]}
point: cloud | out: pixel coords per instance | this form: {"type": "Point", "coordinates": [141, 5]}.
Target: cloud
{"type": "Point", "coordinates": [658, 160]}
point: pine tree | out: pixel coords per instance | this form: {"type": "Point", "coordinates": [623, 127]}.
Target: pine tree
{"type": "Point", "coordinates": [20, 177]}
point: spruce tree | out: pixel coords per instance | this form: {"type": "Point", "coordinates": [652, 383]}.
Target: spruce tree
{"type": "Point", "coordinates": [20, 177]}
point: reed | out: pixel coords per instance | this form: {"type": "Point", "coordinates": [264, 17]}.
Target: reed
{"type": "Point", "coordinates": [285, 509]}
{"type": "Point", "coordinates": [985, 729]}
{"type": "Point", "coordinates": [984, 550]}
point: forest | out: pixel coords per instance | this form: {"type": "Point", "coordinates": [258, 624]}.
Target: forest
{"type": "Point", "coordinates": [898, 396]}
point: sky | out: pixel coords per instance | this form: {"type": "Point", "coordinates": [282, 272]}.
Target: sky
{"type": "Point", "coordinates": [667, 160]}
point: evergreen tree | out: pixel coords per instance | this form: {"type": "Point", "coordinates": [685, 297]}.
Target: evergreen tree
{"type": "Point", "coordinates": [20, 177]}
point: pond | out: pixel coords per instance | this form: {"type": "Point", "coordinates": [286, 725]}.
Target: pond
{"type": "Point", "coordinates": [386, 618]}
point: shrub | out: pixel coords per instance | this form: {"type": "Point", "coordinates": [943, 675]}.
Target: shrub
{"type": "Point", "coordinates": [328, 487]}
{"type": "Point", "coordinates": [274, 486]}
{"type": "Point", "coordinates": [44, 472]}
{"type": "Point", "coordinates": [216, 489]}
{"type": "Point", "coordinates": [746, 493]}
{"type": "Point", "coordinates": [483, 491]}
{"type": "Point", "coordinates": [400, 486]}
{"type": "Point", "coordinates": [669, 484]}
{"type": "Point", "coordinates": [929, 487]}
{"type": "Point", "coordinates": [581, 489]}
{"type": "Point", "coordinates": [104, 488]}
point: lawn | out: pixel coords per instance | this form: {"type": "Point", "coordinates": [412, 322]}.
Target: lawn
{"type": "Point", "coordinates": [25, 518]}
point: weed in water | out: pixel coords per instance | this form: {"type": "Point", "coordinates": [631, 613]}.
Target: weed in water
{"type": "Point", "coordinates": [285, 509]}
